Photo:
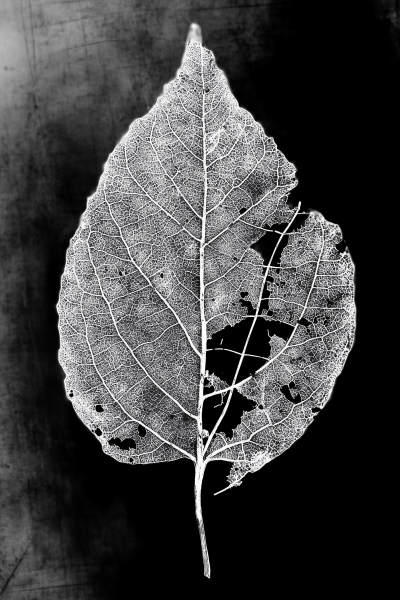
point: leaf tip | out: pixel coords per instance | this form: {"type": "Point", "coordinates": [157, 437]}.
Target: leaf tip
{"type": "Point", "coordinates": [194, 33]}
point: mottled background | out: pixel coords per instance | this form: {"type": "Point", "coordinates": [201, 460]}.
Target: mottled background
{"type": "Point", "coordinates": [322, 78]}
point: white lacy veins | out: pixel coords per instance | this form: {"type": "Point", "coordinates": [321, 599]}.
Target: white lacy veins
{"type": "Point", "coordinates": [158, 265]}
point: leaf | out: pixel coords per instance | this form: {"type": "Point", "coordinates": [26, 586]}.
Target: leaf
{"type": "Point", "coordinates": [191, 283]}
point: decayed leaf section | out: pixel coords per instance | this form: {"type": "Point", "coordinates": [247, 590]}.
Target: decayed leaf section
{"type": "Point", "coordinates": [310, 291]}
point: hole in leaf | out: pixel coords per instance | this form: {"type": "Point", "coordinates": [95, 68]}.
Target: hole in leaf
{"type": "Point", "coordinates": [127, 444]}
{"type": "Point", "coordinates": [237, 407]}
{"type": "Point", "coordinates": [141, 430]}
{"type": "Point", "coordinates": [282, 330]}
{"type": "Point", "coordinates": [316, 409]}
{"type": "Point", "coordinates": [71, 394]}
{"type": "Point", "coordinates": [341, 246]}
{"type": "Point", "coordinates": [286, 392]}
{"type": "Point", "coordinates": [223, 362]}
{"type": "Point", "coordinates": [99, 408]}
{"type": "Point", "coordinates": [304, 322]}
{"type": "Point", "coordinates": [242, 210]}
{"type": "Point", "coordinates": [212, 409]}
{"type": "Point", "coordinates": [266, 245]}
{"type": "Point", "coordinates": [98, 432]}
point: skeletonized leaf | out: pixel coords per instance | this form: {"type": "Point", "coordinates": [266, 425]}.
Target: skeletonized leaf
{"type": "Point", "coordinates": [169, 246]}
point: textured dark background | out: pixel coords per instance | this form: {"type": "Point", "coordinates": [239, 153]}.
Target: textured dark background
{"type": "Point", "coordinates": [322, 78]}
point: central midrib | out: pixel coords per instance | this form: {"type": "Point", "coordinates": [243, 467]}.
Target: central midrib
{"type": "Point", "coordinates": [202, 286]}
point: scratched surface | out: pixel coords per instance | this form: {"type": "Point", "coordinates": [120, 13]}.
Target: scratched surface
{"type": "Point", "coordinates": [73, 75]}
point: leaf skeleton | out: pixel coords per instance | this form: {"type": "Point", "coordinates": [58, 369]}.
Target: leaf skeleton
{"type": "Point", "coordinates": [167, 263]}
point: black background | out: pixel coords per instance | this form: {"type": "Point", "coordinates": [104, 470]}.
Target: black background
{"type": "Point", "coordinates": [321, 78]}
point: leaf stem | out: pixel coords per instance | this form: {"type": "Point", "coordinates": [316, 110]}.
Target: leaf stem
{"type": "Point", "coordinates": [198, 480]}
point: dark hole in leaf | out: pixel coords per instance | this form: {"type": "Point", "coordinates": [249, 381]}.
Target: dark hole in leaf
{"type": "Point", "coordinates": [71, 394]}
{"type": "Point", "coordinates": [238, 405]}
{"type": "Point", "coordinates": [292, 385]}
{"type": "Point", "coordinates": [244, 294]}
{"type": "Point", "coordinates": [162, 275]}
{"type": "Point", "coordinates": [242, 210]}
{"type": "Point", "coordinates": [98, 431]}
{"type": "Point", "coordinates": [266, 245]}
{"type": "Point", "coordinates": [260, 406]}
{"type": "Point", "coordinates": [286, 392]}
{"type": "Point", "coordinates": [316, 409]}
{"type": "Point", "coordinates": [341, 246]}
{"type": "Point", "coordinates": [141, 430]}
{"type": "Point", "coordinates": [131, 460]}
{"type": "Point", "coordinates": [127, 444]}
{"type": "Point", "coordinates": [223, 363]}
{"type": "Point", "coordinates": [99, 408]}
{"type": "Point", "coordinates": [304, 322]}
{"type": "Point", "coordinates": [282, 330]}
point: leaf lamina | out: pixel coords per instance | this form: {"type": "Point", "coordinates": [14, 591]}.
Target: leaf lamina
{"type": "Point", "coordinates": [165, 257]}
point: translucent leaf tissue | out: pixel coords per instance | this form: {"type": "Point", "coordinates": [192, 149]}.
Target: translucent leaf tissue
{"type": "Point", "coordinates": [190, 236]}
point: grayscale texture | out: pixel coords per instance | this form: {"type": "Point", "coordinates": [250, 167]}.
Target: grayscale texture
{"type": "Point", "coordinates": [320, 78]}
{"type": "Point", "coordinates": [158, 264]}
